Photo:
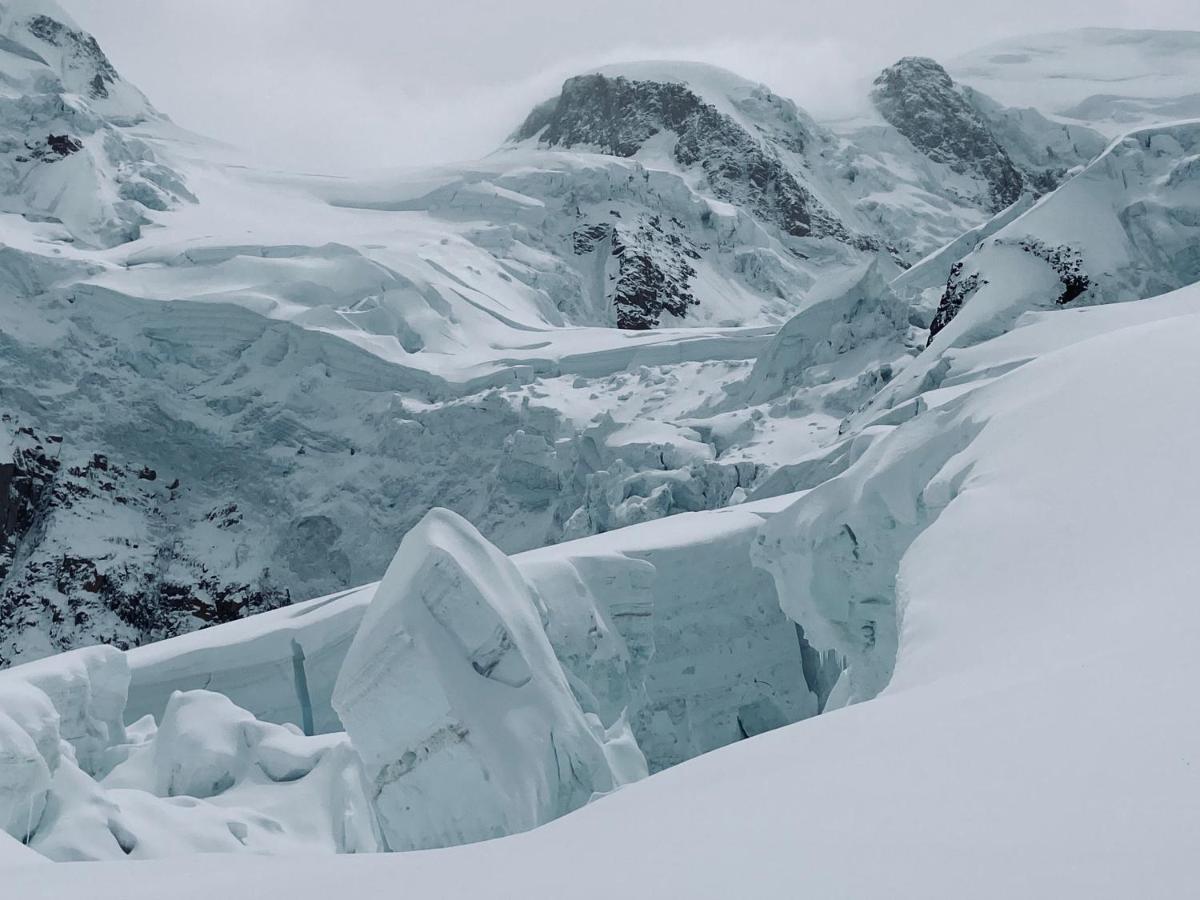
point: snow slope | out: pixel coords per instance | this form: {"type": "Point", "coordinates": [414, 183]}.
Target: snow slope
{"type": "Point", "coordinates": [67, 159]}
{"type": "Point", "coordinates": [1022, 745]}
{"type": "Point", "coordinates": [1124, 228]}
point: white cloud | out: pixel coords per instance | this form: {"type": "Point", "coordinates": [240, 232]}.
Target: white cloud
{"type": "Point", "coordinates": [315, 84]}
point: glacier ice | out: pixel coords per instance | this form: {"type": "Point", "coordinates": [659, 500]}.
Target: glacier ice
{"type": "Point", "coordinates": [76, 783]}
{"type": "Point", "coordinates": [454, 699]}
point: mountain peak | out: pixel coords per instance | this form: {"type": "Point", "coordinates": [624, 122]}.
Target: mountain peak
{"type": "Point", "coordinates": [746, 142]}
{"type": "Point", "coordinates": [919, 99]}
{"type": "Point", "coordinates": [36, 35]}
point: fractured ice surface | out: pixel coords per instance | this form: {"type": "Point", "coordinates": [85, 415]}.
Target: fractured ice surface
{"type": "Point", "coordinates": [77, 784]}
{"type": "Point", "coordinates": [454, 699]}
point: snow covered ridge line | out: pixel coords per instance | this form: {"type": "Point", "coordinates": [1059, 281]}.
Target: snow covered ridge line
{"type": "Point", "coordinates": [68, 159]}
{"type": "Point", "coordinates": [1123, 228]}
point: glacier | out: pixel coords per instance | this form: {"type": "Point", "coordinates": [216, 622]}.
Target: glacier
{"type": "Point", "coordinates": [781, 504]}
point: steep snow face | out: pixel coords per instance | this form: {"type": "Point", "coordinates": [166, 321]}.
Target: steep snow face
{"type": "Point", "coordinates": [665, 624]}
{"type": "Point", "coordinates": [867, 321]}
{"type": "Point", "coordinates": [455, 701]}
{"type": "Point", "coordinates": [1110, 79]}
{"type": "Point", "coordinates": [64, 158]}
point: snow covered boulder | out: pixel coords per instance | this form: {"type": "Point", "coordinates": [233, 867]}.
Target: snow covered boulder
{"type": "Point", "coordinates": [454, 699]}
{"type": "Point", "coordinates": [86, 689]}
{"type": "Point", "coordinates": [272, 788]}
{"type": "Point", "coordinates": [55, 714]}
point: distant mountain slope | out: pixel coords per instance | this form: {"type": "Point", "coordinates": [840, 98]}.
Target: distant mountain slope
{"type": "Point", "coordinates": [64, 157]}
{"type": "Point", "coordinates": [1110, 79]}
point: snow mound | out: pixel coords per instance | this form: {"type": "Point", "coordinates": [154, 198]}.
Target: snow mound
{"type": "Point", "coordinates": [866, 314]}
{"type": "Point", "coordinates": [77, 784]}
{"type": "Point", "coordinates": [454, 699]}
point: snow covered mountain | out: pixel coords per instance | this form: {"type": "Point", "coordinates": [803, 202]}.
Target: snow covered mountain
{"type": "Point", "coordinates": [693, 419]}
{"type": "Point", "coordinates": [64, 157]}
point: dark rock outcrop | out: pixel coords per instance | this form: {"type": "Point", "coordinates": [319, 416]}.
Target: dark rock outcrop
{"type": "Point", "coordinates": [617, 115]}
{"type": "Point", "coordinates": [86, 556]}
{"type": "Point", "coordinates": [81, 49]}
{"type": "Point", "coordinates": [650, 272]}
{"type": "Point", "coordinates": [957, 291]}
{"type": "Point", "coordinates": [920, 100]}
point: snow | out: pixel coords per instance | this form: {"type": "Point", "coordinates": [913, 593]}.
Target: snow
{"type": "Point", "coordinates": [1011, 752]}
{"type": "Point", "coordinates": [454, 757]}
{"type": "Point", "coordinates": [76, 784]}
{"type": "Point", "coordinates": [878, 618]}
{"type": "Point", "coordinates": [666, 622]}
{"type": "Point", "coordinates": [1112, 79]}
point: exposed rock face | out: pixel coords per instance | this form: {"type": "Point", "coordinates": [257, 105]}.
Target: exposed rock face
{"type": "Point", "coordinates": [617, 115]}
{"type": "Point", "coordinates": [87, 553]}
{"type": "Point", "coordinates": [958, 290]}
{"type": "Point", "coordinates": [649, 272]}
{"type": "Point", "coordinates": [1009, 150]}
{"type": "Point", "coordinates": [24, 482]}
{"type": "Point", "coordinates": [80, 51]}
{"type": "Point", "coordinates": [921, 101]}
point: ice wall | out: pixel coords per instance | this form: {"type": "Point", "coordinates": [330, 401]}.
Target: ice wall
{"type": "Point", "coordinates": [454, 699]}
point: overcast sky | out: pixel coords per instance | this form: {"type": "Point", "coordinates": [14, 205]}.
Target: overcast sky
{"type": "Point", "coordinates": [339, 84]}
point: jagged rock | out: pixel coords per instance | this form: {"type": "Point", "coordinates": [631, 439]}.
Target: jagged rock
{"type": "Point", "coordinates": [617, 115]}
{"type": "Point", "coordinates": [958, 291]}
{"type": "Point", "coordinates": [917, 97]}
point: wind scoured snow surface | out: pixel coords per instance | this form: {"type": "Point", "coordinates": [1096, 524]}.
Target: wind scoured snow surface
{"type": "Point", "coordinates": [1022, 744]}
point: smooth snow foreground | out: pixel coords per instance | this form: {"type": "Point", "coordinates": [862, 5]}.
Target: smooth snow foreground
{"type": "Point", "coordinates": [1038, 734]}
